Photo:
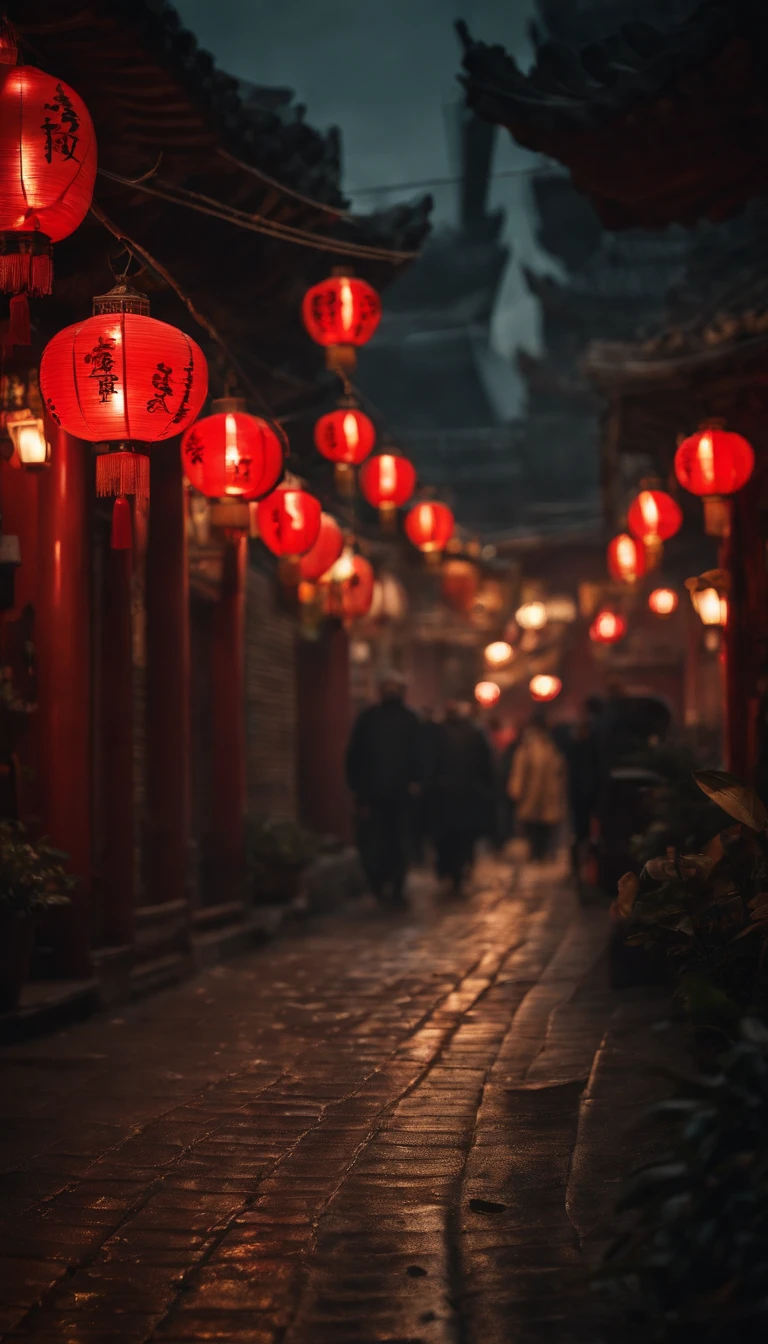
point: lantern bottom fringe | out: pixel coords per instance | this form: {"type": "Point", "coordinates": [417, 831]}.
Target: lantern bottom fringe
{"type": "Point", "coordinates": [654, 551]}
{"type": "Point", "coordinates": [717, 516]}
{"type": "Point", "coordinates": [123, 473]}
{"type": "Point", "coordinates": [19, 329]}
{"type": "Point", "coordinates": [25, 271]}
{"type": "Point", "coordinates": [388, 517]}
{"type": "Point", "coordinates": [122, 534]}
{"type": "Point", "coordinates": [289, 570]}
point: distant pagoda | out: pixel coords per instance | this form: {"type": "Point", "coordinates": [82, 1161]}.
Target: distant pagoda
{"type": "Point", "coordinates": [611, 286]}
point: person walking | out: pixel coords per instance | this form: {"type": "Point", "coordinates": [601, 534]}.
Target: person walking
{"type": "Point", "coordinates": [385, 766]}
{"type": "Point", "coordinates": [462, 793]}
{"type": "Point", "coordinates": [537, 785]}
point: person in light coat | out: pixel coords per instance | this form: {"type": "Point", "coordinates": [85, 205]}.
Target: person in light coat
{"type": "Point", "coordinates": [537, 786]}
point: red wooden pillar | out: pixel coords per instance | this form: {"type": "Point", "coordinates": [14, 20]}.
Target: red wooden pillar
{"type": "Point", "coordinates": [167, 685]}
{"type": "Point", "coordinates": [114, 794]}
{"type": "Point", "coordinates": [64, 655]}
{"type": "Point", "coordinates": [228, 736]}
{"type": "Point", "coordinates": [746, 634]}
{"type": "Point", "coordinates": [19, 509]}
{"type": "Point", "coordinates": [324, 711]}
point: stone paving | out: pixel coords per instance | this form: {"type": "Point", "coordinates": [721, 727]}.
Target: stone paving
{"type": "Point", "coordinates": [369, 1131]}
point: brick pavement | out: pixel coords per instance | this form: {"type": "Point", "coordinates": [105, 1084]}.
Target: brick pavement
{"type": "Point", "coordinates": [362, 1133]}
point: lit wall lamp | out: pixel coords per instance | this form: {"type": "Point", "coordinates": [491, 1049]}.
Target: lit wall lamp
{"type": "Point", "coordinates": [28, 438]}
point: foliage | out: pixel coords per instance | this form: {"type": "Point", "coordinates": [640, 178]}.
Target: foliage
{"type": "Point", "coordinates": [279, 844]}
{"type": "Point", "coordinates": [691, 1264]}
{"type": "Point", "coordinates": [708, 913]}
{"type": "Point", "coordinates": [32, 875]}
{"type": "Point", "coordinates": [681, 816]}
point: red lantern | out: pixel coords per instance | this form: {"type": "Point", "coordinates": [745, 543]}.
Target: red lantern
{"type": "Point", "coordinates": [487, 693]}
{"type": "Point", "coordinates": [348, 588]}
{"type": "Point", "coordinates": [123, 381]}
{"type": "Point", "coordinates": [289, 525]}
{"type": "Point", "coordinates": [607, 628]}
{"type": "Point", "coordinates": [460, 582]}
{"type": "Point", "coordinates": [387, 481]}
{"type": "Point", "coordinates": [430, 527]}
{"type": "Point", "coordinates": [713, 463]}
{"type": "Point", "coordinates": [233, 455]}
{"type": "Point", "coordinates": [654, 517]}
{"type": "Point", "coordinates": [341, 313]}
{"type": "Point", "coordinates": [47, 172]}
{"type": "Point", "coordinates": [626, 559]}
{"type": "Point", "coordinates": [345, 436]}
{"type": "Point", "coordinates": [543, 687]}
{"type": "Point", "coordinates": [324, 553]}
{"type": "Point", "coordinates": [663, 601]}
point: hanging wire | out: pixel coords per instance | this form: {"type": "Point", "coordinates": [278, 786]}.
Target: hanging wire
{"type": "Point", "coordinates": [255, 223]}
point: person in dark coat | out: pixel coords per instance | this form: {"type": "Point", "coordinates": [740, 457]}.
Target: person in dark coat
{"type": "Point", "coordinates": [462, 793]}
{"type": "Point", "coordinates": [385, 772]}
{"type": "Point", "coordinates": [583, 757]}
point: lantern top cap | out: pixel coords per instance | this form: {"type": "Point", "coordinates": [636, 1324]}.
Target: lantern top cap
{"type": "Point", "coordinates": [229, 406]}
{"type": "Point", "coordinates": [121, 298]}
{"type": "Point", "coordinates": [342, 270]}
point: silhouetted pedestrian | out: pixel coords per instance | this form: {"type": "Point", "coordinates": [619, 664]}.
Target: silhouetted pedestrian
{"type": "Point", "coordinates": [462, 793]}
{"type": "Point", "coordinates": [385, 772]}
{"type": "Point", "coordinates": [537, 784]}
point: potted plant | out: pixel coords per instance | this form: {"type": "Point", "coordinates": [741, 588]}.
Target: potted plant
{"type": "Point", "coordinates": [32, 879]}
{"type": "Point", "coordinates": [277, 853]}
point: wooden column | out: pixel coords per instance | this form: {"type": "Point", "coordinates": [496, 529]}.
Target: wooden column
{"type": "Point", "coordinates": [115, 795]}
{"type": "Point", "coordinates": [324, 713]}
{"type": "Point", "coordinates": [167, 685]}
{"type": "Point", "coordinates": [746, 635]}
{"type": "Point", "coordinates": [64, 654]}
{"type": "Point", "coordinates": [228, 740]}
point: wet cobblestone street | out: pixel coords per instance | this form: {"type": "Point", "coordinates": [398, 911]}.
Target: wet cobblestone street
{"type": "Point", "coordinates": [361, 1132]}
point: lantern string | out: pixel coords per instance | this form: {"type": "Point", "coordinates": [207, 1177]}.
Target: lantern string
{"type": "Point", "coordinates": [337, 212]}
{"type": "Point", "coordinates": [256, 223]}
{"type": "Point", "coordinates": [162, 271]}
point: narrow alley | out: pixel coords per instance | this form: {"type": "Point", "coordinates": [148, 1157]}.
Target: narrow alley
{"type": "Point", "coordinates": [378, 1128]}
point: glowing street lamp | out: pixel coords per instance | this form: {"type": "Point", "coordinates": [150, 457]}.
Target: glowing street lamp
{"type": "Point", "coordinates": [543, 687]}
{"type": "Point", "coordinates": [28, 438]}
{"type": "Point", "coordinates": [498, 653]}
{"type": "Point", "coordinates": [663, 601]}
{"type": "Point", "coordinates": [531, 616]}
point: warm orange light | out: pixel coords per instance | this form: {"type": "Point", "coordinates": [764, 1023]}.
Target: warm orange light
{"type": "Point", "coordinates": [711, 608]}
{"type": "Point", "coordinates": [498, 653]}
{"type": "Point", "coordinates": [663, 601]}
{"type": "Point", "coordinates": [607, 628]}
{"type": "Point", "coordinates": [531, 616]}
{"type": "Point", "coordinates": [28, 438]}
{"type": "Point", "coordinates": [543, 687]}
{"type": "Point", "coordinates": [626, 559]}
{"type": "Point", "coordinates": [487, 693]}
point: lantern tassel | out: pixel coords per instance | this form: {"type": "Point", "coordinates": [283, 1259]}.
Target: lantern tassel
{"type": "Point", "coordinates": [123, 473]}
{"type": "Point", "coordinates": [122, 534]}
{"type": "Point", "coordinates": [19, 329]}
{"type": "Point", "coordinates": [25, 271]}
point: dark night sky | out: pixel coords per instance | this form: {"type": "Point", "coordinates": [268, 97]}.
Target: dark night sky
{"type": "Point", "coordinates": [384, 71]}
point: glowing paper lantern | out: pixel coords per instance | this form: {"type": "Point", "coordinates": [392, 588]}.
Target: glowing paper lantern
{"type": "Point", "coordinates": [47, 172]}
{"type": "Point", "coordinates": [663, 601]}
{"type": "Point", "coordinates": [714, 463]}
{"type": "Point", "coordinates": [543, 687]}
{"type": "Point", "coordinates": [348, 587]}
{"type": "Point", "coordinates": [289, 525]}
{"type": "Point", "coordinates": [498, 653]}
{"type": "Point", "coordinates": [654, 517]}
{"type": "Point", "coordinates": [459, 583]}
{"type": "Point", "coordinates": [325, 552]}
{"type": "Point", "coordinates": [27, 434]}
{"type": "Point", "coordinates": [387, 481]}
{"type": "Point", "coordinates": [390, 600]}
{"type": "Point", "coordinates": [231, 454]}
{"type": "Point", "coordinates": [429, 527]}
{"type": "Point", "coordinates": [626, 559]}
{"type": "Point", "coordinates": [531, 616]}
{"type": "Point", "coordinates": [487, 693]}
{"type": "Point", "coordinates": [123, 381]}
{"type": "Point", "coordinates": [607, 628]}
{"type": "Point", "coordinates": [710, 606]}
{"type": "Point", "coordinates": [345, 436]}
{"type": "Point", "coordinates": [341, 314]}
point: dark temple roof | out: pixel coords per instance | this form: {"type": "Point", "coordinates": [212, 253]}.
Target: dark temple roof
{"type": "Point", "coordinates": [655, 127]}
{"type": "Point", "coordinates": [154, 95]}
